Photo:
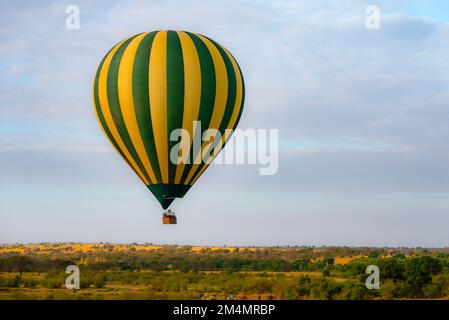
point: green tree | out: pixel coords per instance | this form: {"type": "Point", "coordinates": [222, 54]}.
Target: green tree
{"type": "Point", "coordinates": [418, 273]}
{"type": "Point", "coordinates": [392, 268]}
{"type": "Point", "coordinates": [100, 281]}
{"type": "Point", "coordinates": [439, 288]}
{"type": "Point", "coordinates": [389, 289]}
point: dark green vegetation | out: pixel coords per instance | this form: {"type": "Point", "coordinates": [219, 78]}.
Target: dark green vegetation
{"type": "Point", "coordinates": [180, 272]}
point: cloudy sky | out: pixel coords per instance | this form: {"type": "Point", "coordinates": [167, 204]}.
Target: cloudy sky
{"type": "Point", "coordinates": [362, 118]}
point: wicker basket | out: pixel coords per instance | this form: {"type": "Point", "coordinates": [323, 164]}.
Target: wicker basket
{"type": "Point", "coordinates": [168, 219]}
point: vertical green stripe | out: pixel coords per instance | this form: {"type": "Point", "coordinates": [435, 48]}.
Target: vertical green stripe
{"type": "Point", "coordinates": [142, 100]}
{"type": "Point", "coordinates": [101, 116]}
{"type": "Point", "coordinates": [114, 104]}
{"type": "Point", "coordinates": [175, 93]}
{"type": "Point", "coordinates": [207, 94]}
{"type": "Point", "coordinates": [230, 102]}
{"type": "Point", "coordinates": [242, 103]}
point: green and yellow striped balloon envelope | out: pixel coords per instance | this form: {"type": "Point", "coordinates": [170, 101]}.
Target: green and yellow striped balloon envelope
{"type": "Point", "coordinates": [153, 83]}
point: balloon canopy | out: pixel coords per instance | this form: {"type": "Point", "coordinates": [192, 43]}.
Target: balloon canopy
{"type": "Point", "coordinates": [153, 83]}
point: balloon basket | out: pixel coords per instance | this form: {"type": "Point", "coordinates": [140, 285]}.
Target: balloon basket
{"type": "Point", "coordinates": [169, 217]}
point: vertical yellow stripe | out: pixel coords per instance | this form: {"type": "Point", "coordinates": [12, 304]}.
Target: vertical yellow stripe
{"type": "Point", "coordinates": [192, 91]}
{"type": "Point", "coordinates": [235, 111]}
{"type": "Point", "coordinates": [158, 99]}
{"type": "Point", "coordinates": [126, 99]}
{"type": "Point", "coordinates": [221, 95]}
{"type": "Point", "coordinates": [104, 106]}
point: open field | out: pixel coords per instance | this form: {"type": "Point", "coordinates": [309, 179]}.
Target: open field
{"type": "Point", "coordinates": [158, 285]}
{"type": "Point", "coordinates": [148, 271]}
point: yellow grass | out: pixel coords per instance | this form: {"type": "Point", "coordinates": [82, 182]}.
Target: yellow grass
{"type": "Point", "coordinates": [90, 247]}
{"type": "Point", "coordinates": [343, 260]}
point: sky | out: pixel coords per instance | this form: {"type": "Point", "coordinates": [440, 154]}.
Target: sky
{"type": "Point", "coordinates": [362, 117]}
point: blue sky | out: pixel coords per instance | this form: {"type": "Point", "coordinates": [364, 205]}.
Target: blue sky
{"type": "Point", "coordinates": [436, 9]}
{"type": "Point", "coordinates": [362, 118]}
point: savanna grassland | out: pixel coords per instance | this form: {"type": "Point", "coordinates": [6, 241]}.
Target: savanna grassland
{"type": "Point", "coordinates": [147, 271]}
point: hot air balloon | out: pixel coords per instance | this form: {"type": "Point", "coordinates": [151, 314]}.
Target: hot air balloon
{"type": "Point", "coordinates": [155, 82]}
